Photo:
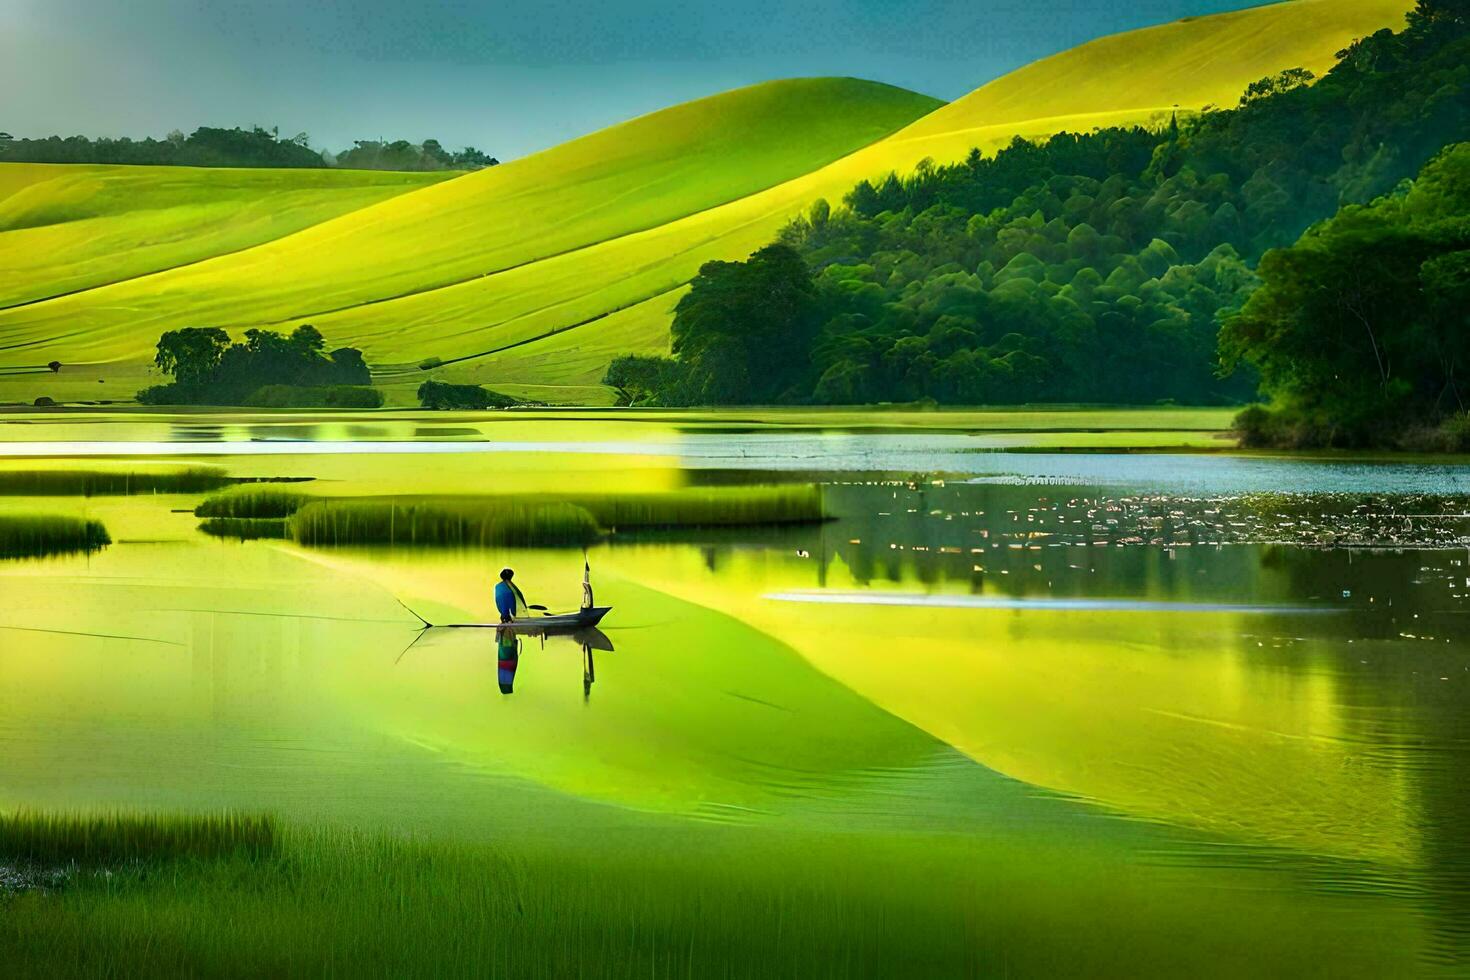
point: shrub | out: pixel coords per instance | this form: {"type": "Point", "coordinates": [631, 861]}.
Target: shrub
{"type": "Point", "coordinates": [329, 396]}
{"type": "Point", "coordinates": [439, 395]}
{"type": "Point", "coordinates": [644, 380]}
{"type": "Point", "coordinates": [1456, 431]}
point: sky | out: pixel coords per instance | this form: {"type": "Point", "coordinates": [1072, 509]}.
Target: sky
{"type": "Point", "coordinates": [506, 76]}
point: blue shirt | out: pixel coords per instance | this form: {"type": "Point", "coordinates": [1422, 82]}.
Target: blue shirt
{"type": "Point", "coordinates": [505, 598]}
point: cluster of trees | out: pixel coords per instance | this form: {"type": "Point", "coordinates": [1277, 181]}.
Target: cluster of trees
{"type": "Point", "coordinates": [205, 147]}
{"type": "Point", "coordinates": [267, 369]}
{"type": "Point", "coordinates": [254, 147]}
{"type": "Point", "coordinates": [1361, 330]}
{"type": "Point", "coordinates": [403, 155]}
{"type": "Point", "coordinates": [1091, 267]}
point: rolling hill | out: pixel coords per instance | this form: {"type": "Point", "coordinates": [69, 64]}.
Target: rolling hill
{"type": "Point", "coordinates": [595, 237]}
{"type": "Point", "coordinates": [634, 176]}
{"type": "Point", "coordinates": [69, 227]}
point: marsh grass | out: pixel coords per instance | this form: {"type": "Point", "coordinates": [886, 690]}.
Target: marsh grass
{"type": "Point", "coordinates": [104, 483]}
{"type": "Point", "coordinates": [246, 528]}
{"type": "Point", "coordinates": [548, 520]}
{"type": "Point", "coordinates": [116, 838]}
{"type": "Point", "coordinates": [40, 536]}
{"type": "Point", "coordinates": [446, 523]}
{"type": "Point", "coordinates": [340, 902]}
{"type": "Point", "coordinates": [252, 504]}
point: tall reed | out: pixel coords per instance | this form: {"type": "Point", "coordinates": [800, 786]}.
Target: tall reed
{"type": "Point", "coordinates": [110, 483]}
{"type": "Point", "coordinates": [111, 838]}
{"type": "Point", "coordinates": [39, 536]}
{"type": "Point", "coordinates": [252, 504]}
{"type": "Point", "coordinates": [448, 522]}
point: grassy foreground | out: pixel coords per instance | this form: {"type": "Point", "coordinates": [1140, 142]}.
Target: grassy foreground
{"type": "Point", "coordinates": [335, 902]}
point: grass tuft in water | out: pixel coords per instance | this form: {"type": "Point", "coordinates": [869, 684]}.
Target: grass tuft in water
{"type": "Point", "coordinates": [448, 523]}
{"type": "Point", "coordinates": [562, 520]}
{"type": "Point", "coordinates": [252, 504]}
{"type": "Point", "coordinates": [246, 528]}
{"type": "Point", "coordinates": [115, 838]}
{"type": "Point", "coordinates": [110, 483]}
{"type": "Point", "coordinates": [40, 536]}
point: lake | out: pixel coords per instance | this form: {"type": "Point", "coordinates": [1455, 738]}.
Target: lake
{"type": "Point", "coordinates": [1105, 713]}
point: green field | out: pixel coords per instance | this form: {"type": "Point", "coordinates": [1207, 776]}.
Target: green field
{"type": "Point", "coordinates": [597, 236]}
{"type": "Point", "coordinates": [71, 227]}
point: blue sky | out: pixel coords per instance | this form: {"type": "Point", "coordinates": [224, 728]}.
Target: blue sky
{"type": "Point", "coordinates": [507, 77]}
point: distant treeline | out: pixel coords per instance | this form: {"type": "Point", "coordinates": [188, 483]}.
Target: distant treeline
{"type": "Point", "coordinates": [1091, 267]}
{"type": "Point", "coordinates": [254, 147]}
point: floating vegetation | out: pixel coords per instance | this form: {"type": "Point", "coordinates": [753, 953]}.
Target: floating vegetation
{"type": "Point", "coordinates": [111, 483]}
{"type": "Point", "coordinates": [114, 838]}
{"type": "Point", "coordinates": [246, 528]}
{"type": "Point", "coordinates": [38, 536]}
{"type": "Point", "coordinates": [1308, 520]}
{"type": "Point", "coordinates": [706, 507]}
{"type": "Point", "coordinates": [252, 504]}
{"type": "Point", "coordinates": [446, 523]}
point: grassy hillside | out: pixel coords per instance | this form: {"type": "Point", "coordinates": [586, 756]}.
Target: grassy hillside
{"type": "Point", "coordinates": [67, 227]}
{"type": "Point", "coordinates": [602, 231]}
{"type": "Point", "coordinates": [637, 175]}
{"type": "Point", "coordinates": [1144, 73]}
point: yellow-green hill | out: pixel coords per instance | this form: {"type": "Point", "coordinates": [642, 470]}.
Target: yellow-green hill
{"type": "Point", "coordinates": [67, 227]}
{"type": "Point", "coordinates": [1142, 74]}
{"type": "Point", "coordinates": [596, 236]}
{"type": "Point", "coordinates": [630, 177]}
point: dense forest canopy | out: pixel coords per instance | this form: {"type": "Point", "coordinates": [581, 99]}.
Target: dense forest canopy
{"type": "Point", "coordinates": [1089, 267]}
{"type": "Point", "coordinates": [254, 147]}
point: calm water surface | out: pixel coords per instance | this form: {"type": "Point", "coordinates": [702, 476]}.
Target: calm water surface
{"type": "Point", "coordinates": [1169, 713]}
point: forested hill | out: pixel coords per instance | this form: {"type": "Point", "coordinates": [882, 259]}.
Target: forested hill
{"type": "Point", "coordinates": [1093, 267]}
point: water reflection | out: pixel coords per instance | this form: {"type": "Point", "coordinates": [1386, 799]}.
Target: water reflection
{"type": "Point", "coordinates": [508, 659]}
{"type": "Point", "coordinates": [509, 645]}
{"type": "Point", "coordinates": [977, 666]}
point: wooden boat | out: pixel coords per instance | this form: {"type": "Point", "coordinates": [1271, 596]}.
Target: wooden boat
{"type": "Point", "coordinates": [550, 622]}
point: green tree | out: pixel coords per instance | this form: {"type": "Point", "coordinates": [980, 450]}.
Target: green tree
{"type": "Point", "coordinates": [1361, 329]}
{"type": "Point", "coordinates": [744, 331]}
{"type": "Point", "coordinates": [193, 354]}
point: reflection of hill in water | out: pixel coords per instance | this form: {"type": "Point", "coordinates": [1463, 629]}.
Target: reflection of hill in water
{"type": "Point", "coordinates": [1337, 737]}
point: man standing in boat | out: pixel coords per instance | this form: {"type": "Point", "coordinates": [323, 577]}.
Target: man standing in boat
{"type": "Point", "coordinates": [508, 598]}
